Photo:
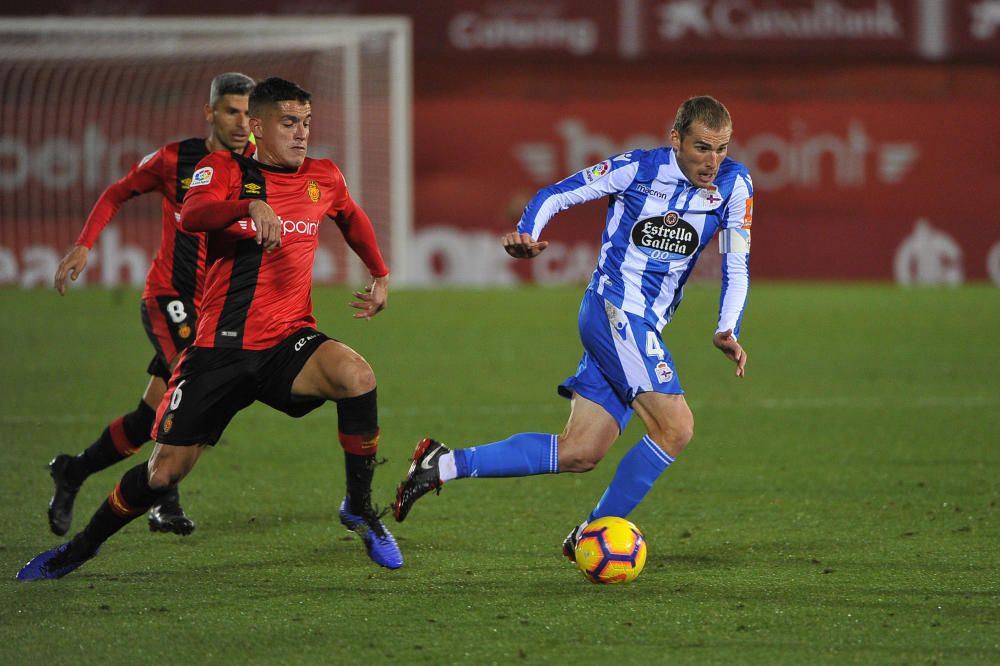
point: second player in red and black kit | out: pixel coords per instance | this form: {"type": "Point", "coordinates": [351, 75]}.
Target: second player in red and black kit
{"type": "Point", "coordinates": [170, 299]}
{"type": "Point", "coordinates": [256, 299]}
{"type": "Point", "coordinates": [256, 338]}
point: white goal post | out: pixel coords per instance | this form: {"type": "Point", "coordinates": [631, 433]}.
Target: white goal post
{"type": "Point", "coordinates": [82, 99]}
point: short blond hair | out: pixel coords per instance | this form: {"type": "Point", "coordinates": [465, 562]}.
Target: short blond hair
{"type": "Point", "coordinates": [707, 110]}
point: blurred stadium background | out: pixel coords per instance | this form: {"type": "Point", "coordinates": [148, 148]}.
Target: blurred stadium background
{"type": "Point", "coordinates": [869, 127]}
{"type": "Point", "coordinates": [839, 506]}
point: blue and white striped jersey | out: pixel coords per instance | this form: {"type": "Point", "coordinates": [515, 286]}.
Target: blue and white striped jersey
{"type": "Point", "coordinates": [658, 223]}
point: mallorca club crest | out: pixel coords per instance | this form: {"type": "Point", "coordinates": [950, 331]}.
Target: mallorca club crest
{"type": "Point", "coordinates": [313, 189]}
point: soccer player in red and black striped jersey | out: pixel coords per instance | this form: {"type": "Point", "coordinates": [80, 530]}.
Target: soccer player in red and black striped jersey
{"type": "Point", "coordinates": [170, 300]}
{"type": "Point", "coordinates": [256, 338]}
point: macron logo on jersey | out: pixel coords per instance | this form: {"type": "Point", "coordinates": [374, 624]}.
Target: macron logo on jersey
{"type": "Point", "coordinates": [202, 176]}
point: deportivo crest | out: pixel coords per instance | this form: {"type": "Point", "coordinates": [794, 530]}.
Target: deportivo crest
{"type": "Point", "coordinates": [710, 194]}
{"type": "Point", "coordinates": [666, 238]}
{"type": "Point", "coordinates": [664, 373]}
{"type": "Point", "coordinates": [313, 190]}
{"type": "Point", "coordinates": [202, 176]}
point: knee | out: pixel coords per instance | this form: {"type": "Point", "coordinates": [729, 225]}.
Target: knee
{"type": "Point", "coordinates": [358, 377]}
{"type": "Point", "coordinates": [574, 457]}
{"type": "Point", "coordinates": [675, 437]}
{"type": "Point", "coordinates": [162, 476]}
{"type": "Point", "coordinates": [683, 436]}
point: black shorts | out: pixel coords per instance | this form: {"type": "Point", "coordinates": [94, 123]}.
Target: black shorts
{"type": "Point", "coordinates": [210, 385]}
{"type": "Point", "coordinates": [170, 323]}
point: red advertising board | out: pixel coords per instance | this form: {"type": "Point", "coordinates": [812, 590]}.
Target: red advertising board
{"type": "Point", "coordinates": [880, 190]}
{"type": "Point", "coordinates": [973, 29]}
{"type": "Point", "coordinates": [640, 29]}
{"type": "Point", "coordinates": [883, 190]}
{"type": "Point", "coordinates": [863, 170]}
{"type": "Point", "coordinates": [792, 28]}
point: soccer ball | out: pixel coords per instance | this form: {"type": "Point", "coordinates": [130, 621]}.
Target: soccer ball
{"type": "Point", "coordinates": [611, 550]}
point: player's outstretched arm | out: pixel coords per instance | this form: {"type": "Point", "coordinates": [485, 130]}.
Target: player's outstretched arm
{"type": "Point", "coordinates": [144, 176]}
{"type": "Point", "coordinates": [522, 246]}
{"type": "Point", "coordinates": [71, 265]}
{"type": "Point", "coordinates": [373, 299]}
{"type": "Point", "coordinates": [725, 341]}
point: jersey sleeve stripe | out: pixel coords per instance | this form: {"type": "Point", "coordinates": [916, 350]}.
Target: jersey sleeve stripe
{"type": "Point", "coordinates": [735, 289]}
{"type": "Point", "coordinates": [570, 192]}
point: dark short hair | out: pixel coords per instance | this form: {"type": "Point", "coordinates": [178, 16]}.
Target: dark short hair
{"type": "Point", "coordinates": [273, 90]}
{"type": "Point", "coordinates": [230, 83]}
{"type": "Point", "coordinates": [709, 111]}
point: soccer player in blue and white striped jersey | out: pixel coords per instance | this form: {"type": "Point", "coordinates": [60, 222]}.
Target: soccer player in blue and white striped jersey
{"type": "Point", "coordinates": [664, 207]}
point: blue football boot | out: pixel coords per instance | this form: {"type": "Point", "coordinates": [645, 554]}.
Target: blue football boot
{"type": "Point", "coordinates": [379, 543]}
{"type": "Point", "coordinates": [57, 562]}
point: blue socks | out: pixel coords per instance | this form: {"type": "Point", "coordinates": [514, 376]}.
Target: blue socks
{"type": "Point", "coordinates": [523, 454]}
{"type": "Point", "coordinates": [636, 473]}
{"type": "Point", "coordinates": [529, 453]}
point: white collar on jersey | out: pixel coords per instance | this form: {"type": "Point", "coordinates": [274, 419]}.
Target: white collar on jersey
{"type": "Point", "coordinates": [674, 171]}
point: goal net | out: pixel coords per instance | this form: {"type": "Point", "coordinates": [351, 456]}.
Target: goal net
{"type": "Point", "coordinates": [82, 99]}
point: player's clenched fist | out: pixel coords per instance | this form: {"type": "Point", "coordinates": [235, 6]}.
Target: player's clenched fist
{"type": "Point", "coordinates": [522, 246]}
{"type": "Point", "coordinates": [268, 225]}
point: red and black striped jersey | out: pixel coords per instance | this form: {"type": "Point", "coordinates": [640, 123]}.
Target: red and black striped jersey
{"type": "Point", "coordinates": [178, 269]}
{"type": "Point", "coordinates": [254, 299]}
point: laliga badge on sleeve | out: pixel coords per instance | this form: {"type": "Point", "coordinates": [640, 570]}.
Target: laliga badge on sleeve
{"type": "Point", "coordinates": [202, 176]}
{"type": "Point", "coordinates": [598, 170]}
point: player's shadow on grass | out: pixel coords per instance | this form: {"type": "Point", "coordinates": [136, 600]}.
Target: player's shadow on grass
{"type": "Point", "coordinates": [263, 522]}
{"type": "Point", "coordinates": [696, 560]}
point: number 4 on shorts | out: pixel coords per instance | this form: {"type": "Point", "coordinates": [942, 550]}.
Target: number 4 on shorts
{"type": "Point", "coordinates": [653, 346]}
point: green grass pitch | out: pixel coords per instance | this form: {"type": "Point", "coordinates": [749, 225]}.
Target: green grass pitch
{"type": "Point", "coordinates": [838, 505]}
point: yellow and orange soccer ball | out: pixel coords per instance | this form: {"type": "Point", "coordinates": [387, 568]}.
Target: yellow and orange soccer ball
{"type": "Point", "coordinates": [611, 550]}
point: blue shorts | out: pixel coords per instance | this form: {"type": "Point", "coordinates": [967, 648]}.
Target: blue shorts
{"type": "Point", "coordinates": [623, 357]}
